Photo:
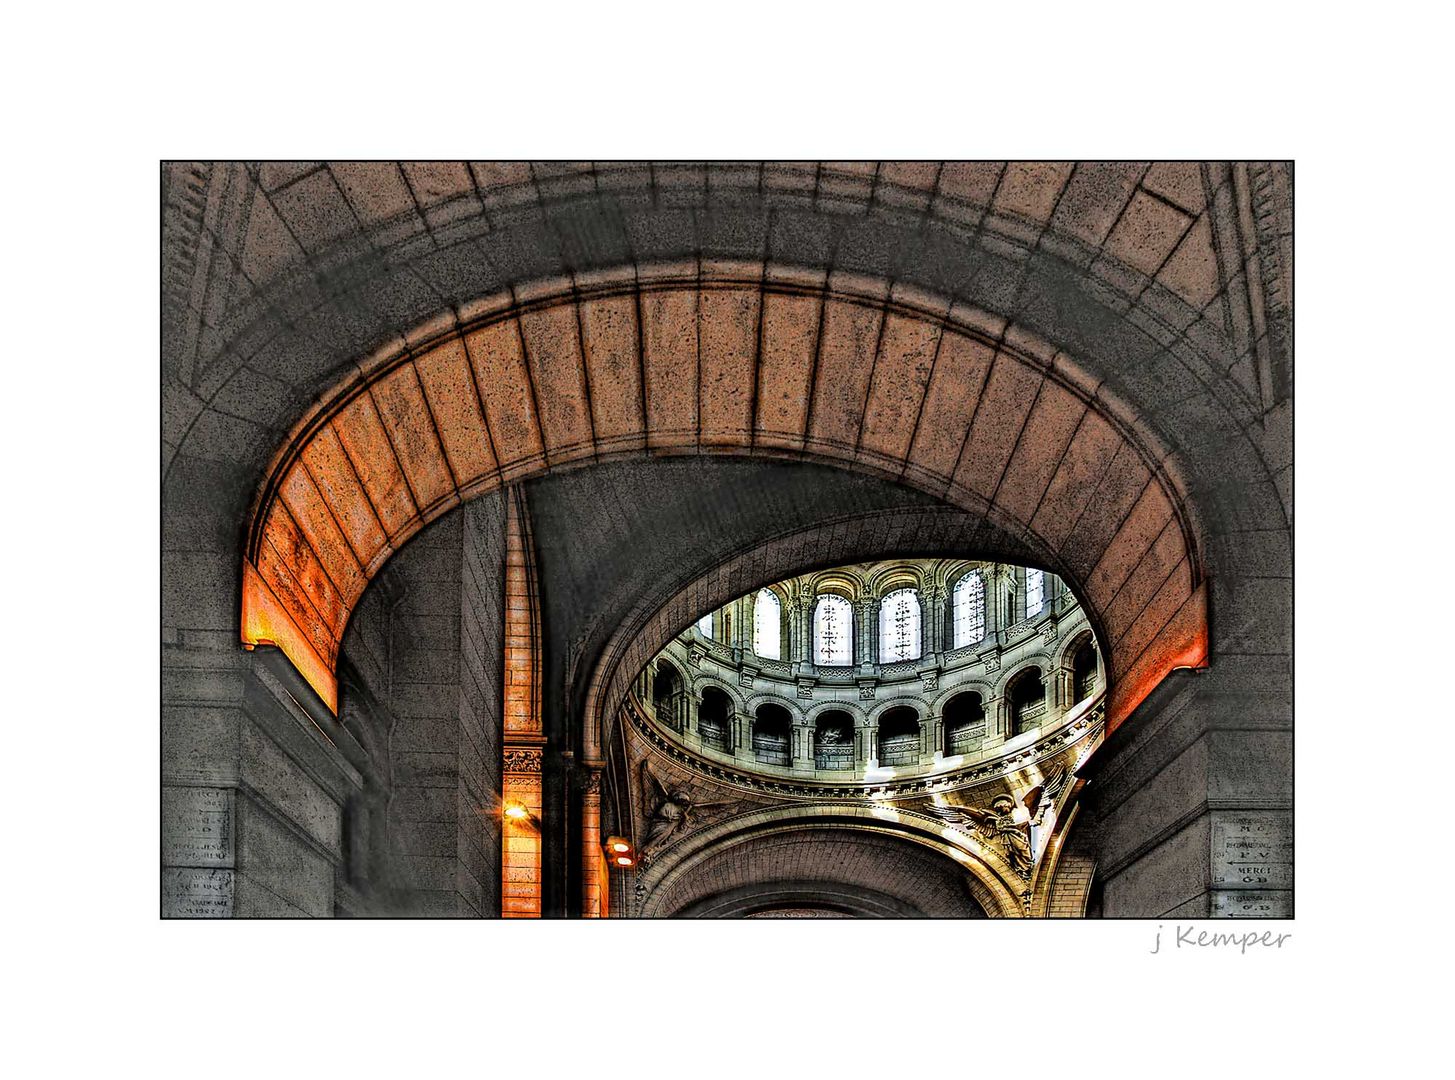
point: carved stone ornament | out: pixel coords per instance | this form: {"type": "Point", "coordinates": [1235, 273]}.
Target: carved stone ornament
{"type": "Point", "coordinates": [523, 759]}
{"type": "Point", "coordinates": [672, 804]}
{"type": "Point", "coordinates": [866, 691]}
{"type": "Point", "coordinates": [593, 782]}
{"type": "Point", "coordinates": [745, 678]}
{"type": "Point", "coordinates": [997, 825]}
{"type": "Point", "coordinates": [929, 680]}
{"type": "Point", "coordinates": [992, 663]}
{"type": "Point", "coordinates": [805, 690]}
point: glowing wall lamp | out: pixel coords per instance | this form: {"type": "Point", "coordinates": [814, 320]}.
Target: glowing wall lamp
{"type": "Point", "coordinates": [620, 852]}
{"type": "Point", "coordinates": [519, 813]}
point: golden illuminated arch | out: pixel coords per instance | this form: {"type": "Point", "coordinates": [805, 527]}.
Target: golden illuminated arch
{"type": "Point", "coordinates": [733, 359]}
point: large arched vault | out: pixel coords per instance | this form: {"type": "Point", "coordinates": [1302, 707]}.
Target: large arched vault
{"type": "Point", "coordinates": [730, 360]}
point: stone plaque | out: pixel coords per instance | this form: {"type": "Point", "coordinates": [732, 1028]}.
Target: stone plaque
{"type": "Point", "coordinates": [1252, 851]}
{"type": "Point", "coordinates": [196, 826]}
{"type": "Point", "coordinates": [1252, 904]}
{"type": "Point", "coordinates": [191, 893]}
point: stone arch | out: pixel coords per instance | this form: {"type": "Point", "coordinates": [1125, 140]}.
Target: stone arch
{"type": "Point", "coordinates": [712, 682]}
{"type": "Point", "coordinates": [991, 881]}
{"type": "Point", "coordinates": [842, 581]}
{"type": "Point", "coordinates": [889, 578]}
{"type": "Point", "coordinates": [853, 708]}
{"type": "Point", "coordinates": [986, 688]}
{"type": "Point", "coordinates": [520, 384]}
{"type": "Point", "coordinates": [1037, 660]}
{"type": "Point", "coordinates": [904, 700]}
{"type": "Point", "coordinates": [1073, 644]}
{"type": "Point", "coordinates": [772, 697]}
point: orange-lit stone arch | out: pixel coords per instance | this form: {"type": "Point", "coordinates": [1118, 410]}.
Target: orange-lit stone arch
{"type": "Point", "coordinates": [728, 359]}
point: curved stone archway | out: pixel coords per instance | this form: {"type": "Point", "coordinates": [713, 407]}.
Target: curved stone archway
{"type": "Point", "coordinates": [733, 360]}
{"type": "Point", "coordinates": [689, 874]}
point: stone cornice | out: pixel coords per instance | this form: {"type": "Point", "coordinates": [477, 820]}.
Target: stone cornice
{"type": "Point", "coordinates": [1087, 726]}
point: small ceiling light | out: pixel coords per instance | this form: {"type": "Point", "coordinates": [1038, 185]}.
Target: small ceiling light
{"type": "Point", "coordinates": [622, 860]}
{"type": "Point", "coordinates": [619, 846]}
{"type": "Point", "coordinates": [516, 811]}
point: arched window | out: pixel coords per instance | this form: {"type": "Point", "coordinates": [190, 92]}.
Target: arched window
{"type": "Point", "coordinates": [668, 697]}
{"type": "Point", "coordinates": [964, 723]}
{"type": "Point", "coordinates": [767, 625]}
{"type": "Point", "coordinates": [899, 737]}
{"type": "Point", "coordinates": [704, 625]}
{"type": "Point", "coordinates": [1035, 592]}
{"type": "Point", "coordinates": [714, 718]}
{"type": "Point", "coordinates": [899, 627]}
{"type": "Point", "coordinates": [833, 631]}
{"type": "Point", "coordinates": [772, 727]}
{"type": "Point", "coordinates": [1083, 671]}
{"type": "Point", "coordinates": [1027, 701]}
{"type": "Point", "coordinates": [969, 604]}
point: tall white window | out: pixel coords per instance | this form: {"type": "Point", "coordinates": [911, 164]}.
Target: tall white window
{"type": "Point", "coordinates": [833, 631]}
{"type": "Point", "coordinates": [899, 627]}
{"type": "Point", "coordinates": [767, 625]}
{"type": "Point", "coordinates": [969, 609]}
{"type": "Point", "coordinates": [704, 625]}
{"type": "Point", "coordinates": [1035, 592]}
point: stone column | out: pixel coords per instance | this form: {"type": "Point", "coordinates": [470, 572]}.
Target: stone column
{"type": "Point", "coordinates": [865, 636]}
{"type": "Point", "coordinates": [595, 893]}
{"type": "Point", "coordinates": [994, 600]}
{"type": "Point", "coordinates": [1065, 688]}
{"type": "Point", "coordinates": [803, 639]}
{"type": "Point", "coordinates": [801, 747]}
{"type": "Point", "coordinates": [997, 711]}
{"type": "Point", "coordinates": [869, 752]}
{"type": "Point", "coordinates": [743, 737]}
{"type": "Point", "coordinates": [932, 621]}
{"type": "Point", "coordinates": [524, 742]}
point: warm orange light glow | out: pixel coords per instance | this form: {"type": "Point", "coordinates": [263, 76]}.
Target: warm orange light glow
{"type": "Point", "coordinates": [265, 621]}
{"type": "Point", "coordinates": [1183, 643]}
{"type": "Point", "coordinates": [620, 850]}
{"type": "Point", "coordinates": [516, 811]}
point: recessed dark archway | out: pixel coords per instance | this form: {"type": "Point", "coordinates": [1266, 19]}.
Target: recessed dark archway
{"type": "Point", "coordinates": [885, 870]}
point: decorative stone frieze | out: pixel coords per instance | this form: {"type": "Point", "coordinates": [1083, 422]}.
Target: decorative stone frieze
{"type": "Point", "coordinates": [523, 759]}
